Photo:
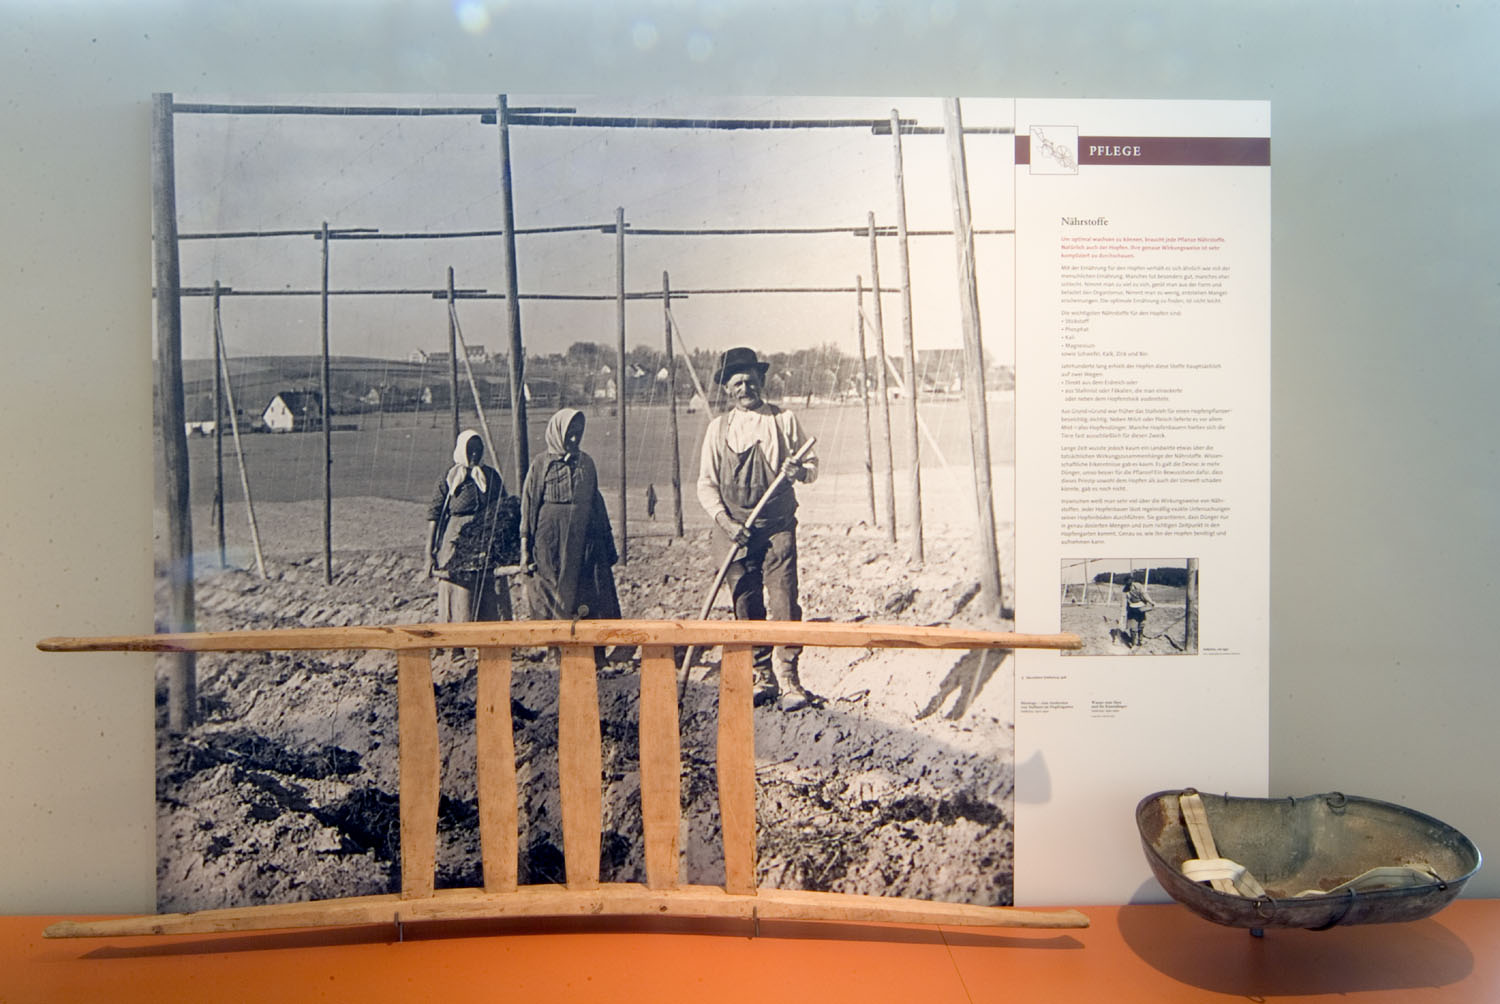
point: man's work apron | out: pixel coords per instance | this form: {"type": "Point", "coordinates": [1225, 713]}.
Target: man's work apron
{"type": "Point", "coordinates": [744, 476]}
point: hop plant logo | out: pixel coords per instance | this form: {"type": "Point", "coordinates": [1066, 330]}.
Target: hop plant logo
{"type": "Point", "coordinates": [1054, 149]}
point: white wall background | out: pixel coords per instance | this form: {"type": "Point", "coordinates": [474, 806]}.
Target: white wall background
{"type": "Point", "coordinates": [1385, 479]}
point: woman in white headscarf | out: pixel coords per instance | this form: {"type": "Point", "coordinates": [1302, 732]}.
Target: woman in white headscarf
{"type": "Point", "coordinates": [464, 524]}
{"type": "Point", "coordinates": [567, 546]}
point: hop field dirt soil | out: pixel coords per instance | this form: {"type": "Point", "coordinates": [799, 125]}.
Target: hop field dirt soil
{"type": "Point", "coordinates": [899, 783]}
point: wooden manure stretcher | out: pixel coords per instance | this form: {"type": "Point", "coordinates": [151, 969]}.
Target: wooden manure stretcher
{"type": "Point", "coordinates": [580, 776]}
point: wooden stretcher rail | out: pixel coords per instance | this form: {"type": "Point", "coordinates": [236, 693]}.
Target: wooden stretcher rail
{"type": "Point", "coordinates": [608, 900]}
{"type": "Point", "coordinates": [580, 770]}
{"type": "Point", "coordinates": [489, 634]}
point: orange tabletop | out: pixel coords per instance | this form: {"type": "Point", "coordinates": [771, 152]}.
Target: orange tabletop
{"type": "Point", "coordinates": [1132, 953]}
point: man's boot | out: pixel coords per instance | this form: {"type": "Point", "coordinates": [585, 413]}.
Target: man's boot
{"type": "Point", "coordinates": [763, 688]}
{"type": "Point", "coordinates": [793, 696]}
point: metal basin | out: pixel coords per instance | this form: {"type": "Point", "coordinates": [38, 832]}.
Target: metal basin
{"type": "Point", "coordinates": [1316, 842]}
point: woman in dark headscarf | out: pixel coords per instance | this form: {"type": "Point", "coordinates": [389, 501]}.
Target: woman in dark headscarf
{"type": "Point", "coordinates": [567, 547]}
{"type": "Point", "coordinates": [465, 529]}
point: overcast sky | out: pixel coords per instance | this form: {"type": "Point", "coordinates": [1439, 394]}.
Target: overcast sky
{"type": "Point", "coordinates": [405, 175]}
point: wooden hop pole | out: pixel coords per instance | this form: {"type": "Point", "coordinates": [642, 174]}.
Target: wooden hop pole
{"type": "Point", "coordinates": [327, 430]}
{"type": "Point", "coordinates": [864, 392]}
{"type": "Point", "coordinates": [518, 430]}
{"type": "Point", "coordinates": [666, 307]}
{"type": "Point", "coordinates": [979, 426]}
{"type": "Point", "coordinates": [620, 374]}
{"type": "Point", "coordinates": [182, 693]}
{"type": "Point", "coordinates": [884, 384]}
{"type": "Point", "coordinates": [453, 358]}
{"type": "Point", "coordinates": [687, 358]}
{"type": "Point", "coordinates": [908, 343]}
{"type": "Point", "coordinates": [239, 447]}
{"type": "Point", "coordinates": [219, 434]}
{"type": "Point", "coordinates": [484, 423]}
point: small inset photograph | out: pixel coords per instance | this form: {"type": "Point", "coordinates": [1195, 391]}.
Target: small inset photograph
{"type": "Point", "coordinates": [1131, 606]}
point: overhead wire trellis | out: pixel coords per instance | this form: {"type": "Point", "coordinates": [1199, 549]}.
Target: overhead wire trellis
{"type": "Point", "coordinates": [518, 390]}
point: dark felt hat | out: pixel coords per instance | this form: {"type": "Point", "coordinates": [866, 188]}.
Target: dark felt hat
{"type": "Point", "coordinates": [739, 360]}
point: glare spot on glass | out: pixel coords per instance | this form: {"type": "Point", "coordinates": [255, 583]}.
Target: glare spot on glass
{"type": "Point", "coordinates": [644, 34]}
{"type": "Point", "coordinates": [473, 16]}
{"type": "Point", "coordinates": [700, 47]}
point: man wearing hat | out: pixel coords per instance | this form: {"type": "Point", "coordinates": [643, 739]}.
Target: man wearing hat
{"type": "Point", "coordinates": [743, 450]}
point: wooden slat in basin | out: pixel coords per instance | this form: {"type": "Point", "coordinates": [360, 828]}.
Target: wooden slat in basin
{"type": "Point", "coordinates": [736, 760]}
{"type": "Point", "coordinates": [661, 766]}
{"type": "Point", "coordinates": [495, 742]}
{"type": "Point", "coordinates": [420, 772]}
{"type": "Point", "coordinates": [580, 765]}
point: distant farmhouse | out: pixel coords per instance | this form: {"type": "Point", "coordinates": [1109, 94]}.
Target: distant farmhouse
{"type": "Point", "coordinates": [939, 371]}
{"type": "Point", "coordinates": [543, 392]}
{"type": "Point", "coordinates": [492, 393]}
{"type": "Point", "coordinates": [477, 354]}
{"type": "Point", "coordinates": [294, 411]}
{"type": "Point", "coordinates": [199, 418]}
{"type": "Point", "coordinates": [604, 387]}
{"type": "Point", "coordinates": [198, 415]}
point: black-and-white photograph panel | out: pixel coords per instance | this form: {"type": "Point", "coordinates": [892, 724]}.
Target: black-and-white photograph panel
{"type": "Point", "coordinates": [470, 357]}
{"type": "Point", "coordinates": [1131, 606]}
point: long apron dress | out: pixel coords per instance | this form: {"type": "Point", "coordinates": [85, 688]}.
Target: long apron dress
{"type": "Point", "coordinates": [572, 543]}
